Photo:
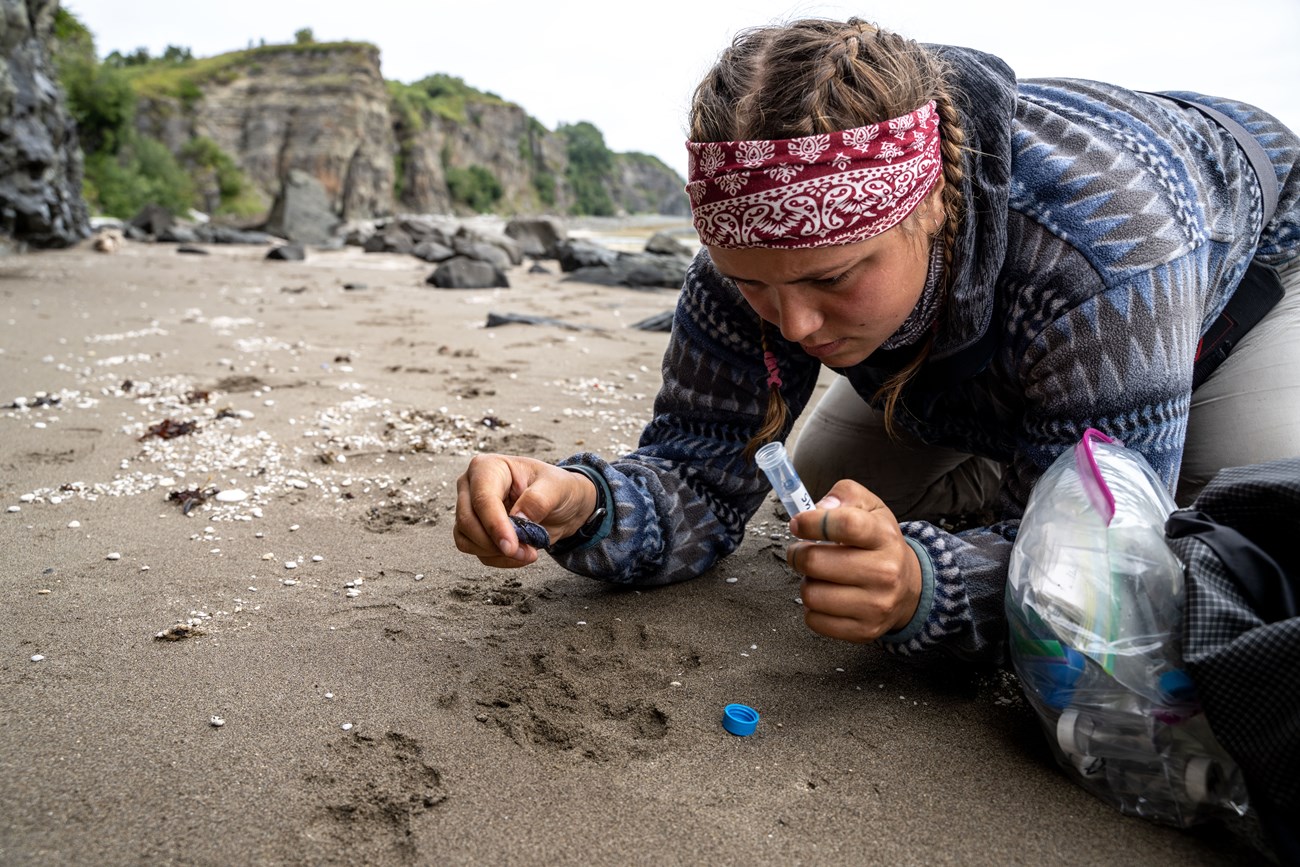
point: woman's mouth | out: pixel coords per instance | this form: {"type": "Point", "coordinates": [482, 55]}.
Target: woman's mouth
{"type": "Point", "coordinates": [822, 350]}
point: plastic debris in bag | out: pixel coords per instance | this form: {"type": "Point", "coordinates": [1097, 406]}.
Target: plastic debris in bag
{"type": "Point", "coordinates": [1094, 605]}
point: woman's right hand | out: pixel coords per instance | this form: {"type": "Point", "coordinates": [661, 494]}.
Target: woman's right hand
{"type": "Point", "coordinates": [494, 487]}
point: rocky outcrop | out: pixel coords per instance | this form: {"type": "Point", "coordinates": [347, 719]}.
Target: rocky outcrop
{"type": "Point", "coordinates": [380, 148]}
{"type": "Point", "coordinates": [642, 184]}
{"type": "Point", "coordinates": [40, 162]}
{"type": "Point", "coordinates": [318, 109]}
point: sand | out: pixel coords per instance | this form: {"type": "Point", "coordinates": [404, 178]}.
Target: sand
{"type": "Point", "coordinates": [382, 698]}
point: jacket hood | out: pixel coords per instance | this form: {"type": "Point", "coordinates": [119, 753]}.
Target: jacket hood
{"type": "Point", "coordinates": [984, 90]}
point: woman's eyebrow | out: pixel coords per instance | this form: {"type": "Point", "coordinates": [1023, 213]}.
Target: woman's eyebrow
{"type": "Point", "coordinates": [810, 277]}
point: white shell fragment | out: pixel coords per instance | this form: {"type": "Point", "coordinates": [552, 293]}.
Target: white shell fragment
{"type": "Point", "coordinates": [37, 657]}
{"type": "Point", "coordinates": [347, 727]}
{"type": "Point", "coordinates": [114, 556]}
{"type": "Point", "coordinates": [216, 722]}
{"type": "Point", "coordinates": [289, 564]}
{"type": "Point", "coordinates": [234, 495]}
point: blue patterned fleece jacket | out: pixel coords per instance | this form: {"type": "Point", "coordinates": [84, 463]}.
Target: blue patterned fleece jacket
{"type": "Point", "coordinates": [1105, 229]}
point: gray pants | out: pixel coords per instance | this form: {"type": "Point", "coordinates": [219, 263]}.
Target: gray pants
{"type": "Point", "coordinates": [1247, 412]}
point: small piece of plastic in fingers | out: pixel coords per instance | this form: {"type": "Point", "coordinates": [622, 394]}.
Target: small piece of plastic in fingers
{"type": "Point", "coordinates": [530, 533]}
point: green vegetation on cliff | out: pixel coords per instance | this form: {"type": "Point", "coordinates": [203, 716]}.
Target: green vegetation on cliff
{"type": "Point", "coordinates": [590, 167]}
{"type": "Point", "coordinates": [118, 103]}
{"type": "Point", "coordinates": [438, 95]}
{"type": "Point", "coordinates": [124, 170]}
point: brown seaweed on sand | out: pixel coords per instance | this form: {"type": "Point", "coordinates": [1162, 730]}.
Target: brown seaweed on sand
{"type": "Point", "coordinates": [170, 428]}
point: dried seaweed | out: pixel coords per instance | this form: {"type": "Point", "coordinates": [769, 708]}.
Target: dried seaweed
{"type": "Point", "coordinates": [170, 428]}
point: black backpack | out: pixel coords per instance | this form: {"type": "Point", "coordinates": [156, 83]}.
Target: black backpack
{"type": "Point", "coordinates": [1240, 544]}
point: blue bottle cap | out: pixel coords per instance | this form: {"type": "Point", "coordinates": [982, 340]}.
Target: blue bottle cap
{"type": "Point", "coordinates": [1177, 685]}
{"type": "Point", "coordinates": [739, 719]}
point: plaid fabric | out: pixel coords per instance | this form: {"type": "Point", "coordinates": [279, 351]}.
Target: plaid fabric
{"type": "Point", "coordinates": [1241, 635]}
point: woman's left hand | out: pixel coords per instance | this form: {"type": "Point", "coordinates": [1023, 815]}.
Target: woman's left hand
{"type": "Point", "coordinates": [867, 584]}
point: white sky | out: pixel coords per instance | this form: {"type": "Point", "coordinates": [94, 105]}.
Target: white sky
{"type": "Point", "coordinates": [630, 67]}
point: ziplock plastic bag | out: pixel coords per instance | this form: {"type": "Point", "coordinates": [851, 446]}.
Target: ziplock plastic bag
{"type": "Point", "coordinates": [1094, 604]}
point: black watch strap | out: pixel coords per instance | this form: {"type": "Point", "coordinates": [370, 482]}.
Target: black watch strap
{"type": "Point", "coordinates": [587, 531]}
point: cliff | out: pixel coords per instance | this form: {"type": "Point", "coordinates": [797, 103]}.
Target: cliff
{"type": "Point", "coordinates": [433, 146]}
{"type": "Point", "coordinates": [319, 109]}
{"type": "Point", "coordinates": [40, 161]}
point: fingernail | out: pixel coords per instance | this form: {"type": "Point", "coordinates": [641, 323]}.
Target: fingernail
{"type": "Point", "coordinates": [829, 502]}
{"type": "Point", "coordinates": [503, 544]}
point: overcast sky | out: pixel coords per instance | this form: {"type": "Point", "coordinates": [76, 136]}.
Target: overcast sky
{"type": "Point", "coordinates": [629, 68]}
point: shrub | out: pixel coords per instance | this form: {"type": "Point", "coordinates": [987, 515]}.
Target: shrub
{"type": "Point", "coordinates": [589, 170]}
{"type": "Point", "coordinates": [475, 187]}
{"type": "Point", "coordinates": [142, 172]}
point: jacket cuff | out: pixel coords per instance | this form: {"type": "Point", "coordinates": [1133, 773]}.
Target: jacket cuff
{"type": "Point", "coordinates": [603, 495]}
{"type": "Point", "coordinates": [923, 606]}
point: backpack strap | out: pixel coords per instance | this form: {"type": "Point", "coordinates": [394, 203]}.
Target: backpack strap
{"type": "Point", "coordinates": [1262, 579]}
{"type": "Point", "coordinates": [1260, 288]}
{"type": "Point", "coordinates": [1259, 161]}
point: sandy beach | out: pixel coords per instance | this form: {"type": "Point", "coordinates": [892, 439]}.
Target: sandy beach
{"type": "Point", "coordinates": [257, 460]}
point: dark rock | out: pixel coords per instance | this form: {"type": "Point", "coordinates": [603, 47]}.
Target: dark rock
{"type": "Point", "coordinates": [665, 244]}
{"type": "Point", "coordinates": [356, 234]}
{"type": "Point", "coordinates": [40, 160]}
{"type": "Point", "coordinates": [465, 273]}
{"type": "Point", "coordinates": [509, 245]}
{"type": "Point", "coordinates": [538, 268]}
{"type": "Point", "coordinates": [658, 322]}
{"type": "Point", "coordinates": [432, 251]}
{"type": "Point", "coordinates": [537, 236]}
{"type": "Point", "coordinates": [354, 287]}
{"type": "Point", "coordinates": [496, 320]}
{"type": "Point", "coordinates": [636, 270]}
{"type": "Point", "coordinates": [482, 251]}
{"type": "Point", "coordinates": [210, 234]}
{"type": "Point", "coordinates": [288, 253]}
{"type": "Point", "coordinates": [653, 270]}
{"type": "Point", "coordinates": [153, 220]}
{"type": "Point", "coordinates": [302, 212]}
{"type": "Point", "coordinates": [178, 235]}
{"type": "Point", "coordinates": [135, 233]}
{"type": "Point", "coordinates": [192, 250]}
{"type": "Point", "coordinates": [422, 228]}
{"type": "Point", "coordinates": [599, 275]}
{"type": "Point", "coordinates": [584, 254]}
{"type": "Point", "coordinates": [390, 239]}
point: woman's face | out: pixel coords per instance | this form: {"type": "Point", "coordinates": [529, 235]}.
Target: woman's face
{"type": "Point", "coordinates": [838, 303]}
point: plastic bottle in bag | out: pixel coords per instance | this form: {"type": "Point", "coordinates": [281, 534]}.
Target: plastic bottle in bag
{"type": "Point", "coordinates": [1094, 606]}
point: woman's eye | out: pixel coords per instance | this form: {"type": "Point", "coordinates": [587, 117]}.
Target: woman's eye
{"type": "Point", "coordinates": [832, 281]}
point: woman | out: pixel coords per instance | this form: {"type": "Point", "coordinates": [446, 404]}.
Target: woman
{"type": "Point", "coordinates": [993, 266]}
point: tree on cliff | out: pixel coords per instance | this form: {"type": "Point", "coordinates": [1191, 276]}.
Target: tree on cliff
{"type": "Point", "coordinates": [590, 165]}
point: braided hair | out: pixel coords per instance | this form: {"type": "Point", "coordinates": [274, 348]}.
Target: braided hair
{"type": "Point", "coordinates": [817, 76]}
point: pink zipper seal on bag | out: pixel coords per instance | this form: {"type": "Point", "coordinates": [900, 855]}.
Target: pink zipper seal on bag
{"type": "Point", "coordinates": [1094, 484]}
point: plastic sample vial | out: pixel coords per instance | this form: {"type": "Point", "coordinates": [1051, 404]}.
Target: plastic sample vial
{"type": "Point", "coordinates": [775, 464]}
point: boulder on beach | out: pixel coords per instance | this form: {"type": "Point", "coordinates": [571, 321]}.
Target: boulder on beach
{"type": "Point", "coordinates": [538, 237]}
{"type": "Point", "coordinates": [576, 254]}
{"type": "Point", "coordinates": [506, 244]}
{"type": "Point", "coordinates": [152, 220]}
{"type": "Point", "coordinates": [288, 253]}
{"type": "Point", "coordinates": [302, 211]}
{"type": "Point", "coordinates": [462, 272]}
{"type": "Point", "coordinates": [390, 239]}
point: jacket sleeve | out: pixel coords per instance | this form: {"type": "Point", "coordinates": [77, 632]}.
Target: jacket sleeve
{"type": "Point", "coordinates": [682, 499]}
{"type": "Point", "coordinates": [1120, 361]}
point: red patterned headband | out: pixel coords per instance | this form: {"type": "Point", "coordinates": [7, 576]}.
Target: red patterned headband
{"type": "Point", "coordinates": [814, 191]}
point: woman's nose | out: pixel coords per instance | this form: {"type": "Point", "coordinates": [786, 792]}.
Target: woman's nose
{"type": "Point", "coordinates": [798, 320]}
